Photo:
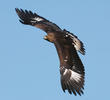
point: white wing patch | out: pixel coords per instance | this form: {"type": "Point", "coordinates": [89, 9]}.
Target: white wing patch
{"type": "Point", "coordinates": [75, 76]}
{"type": "Point", "coordinates": [38, 19]}
{"type": "Point", "coordinates": [65, 71]}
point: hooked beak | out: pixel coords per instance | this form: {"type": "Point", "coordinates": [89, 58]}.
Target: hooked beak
{"type": "Point", "coordinates": [45, 38]}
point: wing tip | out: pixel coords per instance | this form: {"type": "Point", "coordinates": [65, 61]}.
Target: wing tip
{"type": "Point", "coordinates": [74, 84]}
{"type": "Point", "coordinates": [28, 17]}
{"type": "Point", "coordinates": [71, 90]}
{"type": "Point", "coordinates": [25, 16]}
{"type": "Point", "coordinates": [74, 91]}
{"type": "Point", "coordinates": [16, 9]}
{"type": "Point", "coordinates": [82, 50]}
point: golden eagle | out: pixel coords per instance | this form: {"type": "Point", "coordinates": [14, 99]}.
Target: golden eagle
{"type": "Point", "coordinates": [67, 44]}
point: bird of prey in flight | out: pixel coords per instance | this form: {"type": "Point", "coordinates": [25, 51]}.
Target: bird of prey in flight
{"type": "Point", "coordinates": [72, 71]}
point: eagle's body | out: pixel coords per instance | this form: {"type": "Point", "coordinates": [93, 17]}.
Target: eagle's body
{"type": "Point", "coordinates": [67, 44]}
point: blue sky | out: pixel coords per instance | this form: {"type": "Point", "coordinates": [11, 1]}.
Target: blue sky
{"type": "Point", "coordinates": [29, 65]}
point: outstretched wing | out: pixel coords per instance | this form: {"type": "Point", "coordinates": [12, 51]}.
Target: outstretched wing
{"type": "Point", "coordinates": [29, 18]}
{"type": "Point", "coordinates": [71, 67]}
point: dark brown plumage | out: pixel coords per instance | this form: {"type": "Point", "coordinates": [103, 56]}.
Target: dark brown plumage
{"type": "Point", "coordinates": [67, 44]}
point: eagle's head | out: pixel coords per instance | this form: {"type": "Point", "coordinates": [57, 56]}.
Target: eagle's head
{"type": "Point", "coordinates": [49, 37]}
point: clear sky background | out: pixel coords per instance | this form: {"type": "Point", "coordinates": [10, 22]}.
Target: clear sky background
{"type": "Point", "coordinates": [29, 65]}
